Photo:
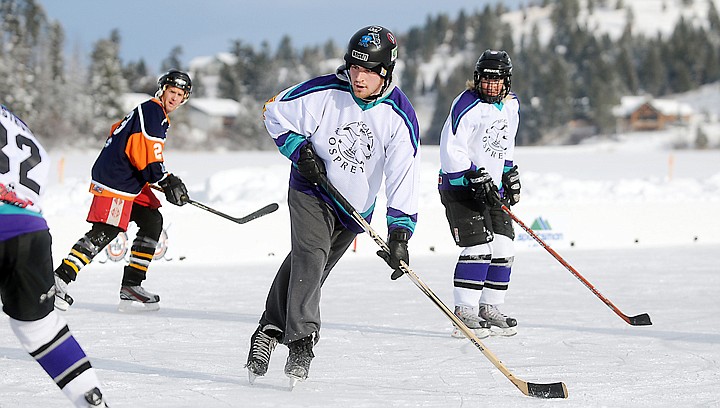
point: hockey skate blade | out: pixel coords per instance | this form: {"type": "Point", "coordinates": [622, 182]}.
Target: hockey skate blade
{"type": "Point", "coordinates": [503, 331]}
{"type": "Point", "coordinates": [481, 333]}
{"type": "Point", "coordinates": [131, 306]}
{"type": "Point", "coordinates": [293, 380]}
{"type": "Point", "coordinates": [252, 377]}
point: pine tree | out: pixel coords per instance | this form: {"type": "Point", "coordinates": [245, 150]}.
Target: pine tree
{"type": "Point", "coordinates": [680, 70]}
{"type": "Point", "coordinates": [625, 61]}
{"type": "Point", "coordinates": [16, 65]}
{"type": "Point", "coordinates": [409, 79]}
{"type": "Point", "coordinates": [653, 76]}
{"type": "Point", "coordinates": [173, 60]}
{"type": "Point", "coordinates": [459, 39]}
{"type": "Point", "coordinates": [558, 92]}
{"type": "Point", "coordinates": [564, 18]}
{"type": "Point", "coordinates": [139, 79]}
{"type": "Point", "coordinates": [285, 54]}
{"type": "Point", "coordinates": [486, 32]}
{"type": "Point", "coordinates": [330, 50]}
{"type": "Point", "coordinates": [50, 119]}
{"type": "Point", "coordinates": [713, 17]}
{"type": "Point", "coordinates": [446, 93]}
{"type": "Point", "coordinates": [701, 139]}
{"type": "Point", "coordinates": [107, 85]}
{"type": "Point", "coordinates": [263, 75]}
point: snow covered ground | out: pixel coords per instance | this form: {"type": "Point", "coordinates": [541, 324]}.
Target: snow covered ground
{"type": "Point", "coordinates": [640, 222]}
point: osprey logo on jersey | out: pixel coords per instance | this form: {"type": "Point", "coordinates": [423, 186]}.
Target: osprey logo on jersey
{"type": "Point", "coordinates": [352, 146]}
{"type": "Point", "coordinates": [495, 140]}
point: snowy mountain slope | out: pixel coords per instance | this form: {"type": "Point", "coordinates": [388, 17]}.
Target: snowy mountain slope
{"type": "Point", "coordinates": [649, 17]}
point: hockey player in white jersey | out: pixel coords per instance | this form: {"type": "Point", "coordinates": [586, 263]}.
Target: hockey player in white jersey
{"type": "Point", "coordinates": [27, 283]}
{"type": "Point", "coordinates": [356, 127]}
{"type": "Point", "coordinates": [477, 146]}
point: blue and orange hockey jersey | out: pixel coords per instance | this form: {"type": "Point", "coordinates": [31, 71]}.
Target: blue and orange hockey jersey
{"type": "Point", "coordinates": [133, 153]}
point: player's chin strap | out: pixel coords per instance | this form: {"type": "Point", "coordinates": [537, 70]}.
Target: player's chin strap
{"type": "Point", "coordinates": [553, 390]}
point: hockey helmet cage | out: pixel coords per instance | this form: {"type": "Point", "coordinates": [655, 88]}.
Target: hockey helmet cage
{"type": "Point", "coordinates": [493, 64]}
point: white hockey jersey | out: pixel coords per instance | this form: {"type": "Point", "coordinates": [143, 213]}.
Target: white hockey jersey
{"type": "Point", "coordinates": [359, 142]}
{"type": "Point", "coordinates": [24, 167]}
{"type": "Point", "coordinates": [475, 135]}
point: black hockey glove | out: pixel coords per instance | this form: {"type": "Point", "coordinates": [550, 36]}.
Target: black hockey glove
{"type": "Point", "coordinates": [397, 242]}
{"type": "Point", "coordinates": [309, 165]}
{"type": "Point", "coordinates": [483, 188]}
{"type": "Point", "coordinates": [175, 190]}
{"type": "Point", "coordinates": [511, 185]}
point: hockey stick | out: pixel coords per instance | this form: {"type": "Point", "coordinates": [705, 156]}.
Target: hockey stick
{"type": "Point", "coordinates": [242, 220]}
{"type": "Point", "coordinates": [553, 390]}
{"type": "Point", "coordinates": [639, 320]}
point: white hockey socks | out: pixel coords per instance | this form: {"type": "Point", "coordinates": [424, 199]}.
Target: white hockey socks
{"type": "Point", "coordinates": [50, 342]}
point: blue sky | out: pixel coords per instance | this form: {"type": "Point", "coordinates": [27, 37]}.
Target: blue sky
{"type": "Point", "coordinates": [150, 29]}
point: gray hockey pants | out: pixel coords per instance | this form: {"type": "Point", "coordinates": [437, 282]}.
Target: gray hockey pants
{"type": "Point", "coordinates": [318, 242]}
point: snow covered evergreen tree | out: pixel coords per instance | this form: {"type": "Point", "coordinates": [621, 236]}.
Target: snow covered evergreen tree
{"type": "Point", "coordinates": [107, 84]}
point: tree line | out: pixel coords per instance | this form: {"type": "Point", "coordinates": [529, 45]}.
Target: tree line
{"type": "Point", "coordinates": [575, 77]}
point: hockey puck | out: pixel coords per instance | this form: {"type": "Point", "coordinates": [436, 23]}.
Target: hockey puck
{"type": "Point", "coordinates": [181, 257]}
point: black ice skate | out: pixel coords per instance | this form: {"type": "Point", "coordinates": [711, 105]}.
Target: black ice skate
{"type": "Point", "coordinates": [262, 344]}
{"type": "Point", "coordinates": [137, 299]}
{"type": "Point", "coordinates": [297, 366]}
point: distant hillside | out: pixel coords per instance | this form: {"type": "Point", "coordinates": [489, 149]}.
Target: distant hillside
{"type": "Point", "coordinates": [573, 61]}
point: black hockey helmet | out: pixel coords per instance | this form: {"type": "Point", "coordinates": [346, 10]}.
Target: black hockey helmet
{"type": "Point", "coordinates": [373, 47]}
{"type": "Point", "coordinates": [493, 65]}
{"type": "Point", "coordinates": [176, 78]}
